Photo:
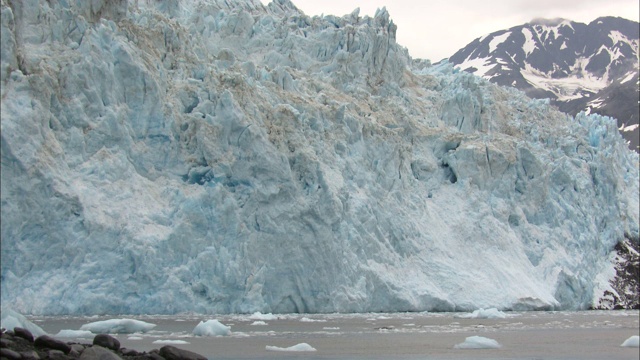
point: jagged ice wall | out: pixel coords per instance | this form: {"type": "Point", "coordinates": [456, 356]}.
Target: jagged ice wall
{"type": "Point", "coordinates": [225, 156]}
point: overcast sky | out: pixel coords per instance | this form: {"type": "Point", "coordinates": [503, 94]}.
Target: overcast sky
{"type": "Point", "coordinates": [435, 29]}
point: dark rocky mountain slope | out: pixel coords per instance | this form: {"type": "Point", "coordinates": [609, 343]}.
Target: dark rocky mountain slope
{"type": "Point", "coordinates": [579, 67]}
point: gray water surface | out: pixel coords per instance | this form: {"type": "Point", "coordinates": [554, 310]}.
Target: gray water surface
{"type": "Point", "coordinates": [406, 336]}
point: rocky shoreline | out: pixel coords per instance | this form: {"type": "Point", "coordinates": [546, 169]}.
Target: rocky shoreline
{"type": "Point", "coordinates": [20, 344]}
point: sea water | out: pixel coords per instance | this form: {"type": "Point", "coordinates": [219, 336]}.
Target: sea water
{"type": "Point", "coordinates": [521, 335]}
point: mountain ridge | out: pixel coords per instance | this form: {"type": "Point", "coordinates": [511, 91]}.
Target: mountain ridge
{"type": "Point", "coordinates": [574, 64]}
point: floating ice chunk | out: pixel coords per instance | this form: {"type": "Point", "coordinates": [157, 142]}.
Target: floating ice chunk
{"type": "Point", "coordinates": [211, 328]}
{"type": "Point", "coordinates": [240, 334]}
{"type": "Point", "coordinates": [135, 338]}
{"type": "Point", "coordinates": [478, 342]}
{"type": "Point", "coordinates": [628, 128]}
{"type": "Point", "coordinates": [306, 319]}
{"type": "Point", "coordinates": [171, 342]}
{"type": "Point", "coordinates": [259, 322]}
{"type": "Point", "coordinates": [295, 348]}
{"type": "Point", "coordinates": [633, 341]}
{"type": "Point", "coordinates": [74, 334]}
{"type": "Point", "coordinates": [492, 313]}
{"type": "Point", "coordinates": [118, 326]}
{"type": "Point", "coordinates": [11, 319]}
{"type": "Point", "coordinates": [260, 316]}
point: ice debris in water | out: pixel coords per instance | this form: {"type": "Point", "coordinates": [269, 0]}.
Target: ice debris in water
{"type": "Point", "coordinates": [170, 342]}
{"type": "Point", "coordinates": [302, 347]}
{"type": "Point", "coordinates": [211, 328]}
{"type": "Point", "coordinates": [478, 342]}
{"type": "Point", "coordinates": [307, 319]}
{"type": "Point", "coordinates": [492, 313]}
{"type": "Point", "coordinates": [66, 333]}
{"type": "Point", "coordinates": [118, 326]}
{"type": "Point", "coordinates": [260, 316]}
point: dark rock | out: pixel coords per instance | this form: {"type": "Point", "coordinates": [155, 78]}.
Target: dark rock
{"type": "Point", "coordinates": [57, 355]}
{"type": "Point", "coordinates": [5, 342]}
{"type": "Point", "coordinates": [129, 352]}
{"type": "Point", "coordinates": [144, 356]}
{"type": "Point", "coordinates": [626, 283]}
{"type": "Point", "coordinates": [23, 333]}
{"type": "Point", "coordinates": [46, 341]}
{"type": "Point", "coordinates": [79, 348]}
{"type": "Point", "coordinates": [47, 348]}
{"type": "Point", "coordinates": [154, 355]}
{"type": "Point", "coordinates": [74, 353]}
{"type": "Point", "coordinates": [30, 355]}
{"type": "Point", "coordinates": [19, 344]}
{"type": "Point", "coordinates": [107, 341]}
{"type": "Point", "coordinates": [173, 353]}
{"type": "Point", "coordinates": [97, 352]}
{"type": "Point", "coordinates": [10, 354]}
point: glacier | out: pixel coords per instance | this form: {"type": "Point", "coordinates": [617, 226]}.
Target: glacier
{"type": "Point", "coordinates": [225, 156]}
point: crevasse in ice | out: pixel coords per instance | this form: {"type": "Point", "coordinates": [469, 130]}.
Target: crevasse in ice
{"type": "Point", "coordinates": [226, 156]}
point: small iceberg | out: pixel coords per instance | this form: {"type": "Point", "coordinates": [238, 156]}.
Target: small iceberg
{"type": "Point", "coordinates": [11, 319]}
{"type": "Point", "coordinates": [211, 328]}
{"type": "Point", "coordinates": [118, 326]}
{"type": "Point", "coordinates": [295, 348]}
{"type": "Point", "coordinates": [633, 341]}
{"type": "Point", "coordinates": [478, 342]}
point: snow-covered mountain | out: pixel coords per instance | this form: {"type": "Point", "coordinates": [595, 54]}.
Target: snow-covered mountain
{"type": "Point", "coordinates": [224, 156]}
{"type": "Point", "coordinates": [580, 67]}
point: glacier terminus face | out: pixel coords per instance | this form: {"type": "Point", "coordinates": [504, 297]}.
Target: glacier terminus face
{"type": "Point", "coordinates": [229, 157]}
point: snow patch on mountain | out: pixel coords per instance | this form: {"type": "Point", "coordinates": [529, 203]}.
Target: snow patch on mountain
{"type": "Point", "coordinates": [529, 42]}
{"type": "Point", "coordinates": [497, 40]}
{"type": "Point", "coordinates": [629, 77]}
{"type": "Point", "coordinates": [481, 65]}
{"type": "Point", "coordinates": [567, 88]}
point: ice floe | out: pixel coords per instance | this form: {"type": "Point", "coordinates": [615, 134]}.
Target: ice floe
{"type": "Point", "coordinates": [478, 342]}
{"type": "Point", "coordinates": [302, 347]}
{"type": "Point", "coordinates": [118, 326]}
{"type": "Point", "coordinates": [211, 328]}
{"type": "Point", "coordinates": [633, 341]}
